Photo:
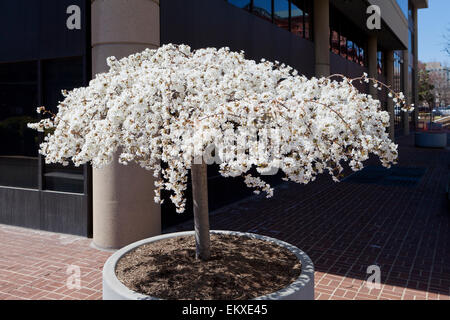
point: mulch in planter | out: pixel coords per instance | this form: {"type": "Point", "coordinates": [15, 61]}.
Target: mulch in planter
{"type": "Point", "coordinates": [239, 268]}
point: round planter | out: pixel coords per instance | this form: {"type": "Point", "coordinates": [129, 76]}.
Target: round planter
{"type": "Point", "coordinates": [301, 289]}
{"type": "Point", "coordinates": [431, 139]}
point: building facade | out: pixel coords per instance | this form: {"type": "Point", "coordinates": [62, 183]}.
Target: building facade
{"type": "Point", "coordinates": [49, 45]}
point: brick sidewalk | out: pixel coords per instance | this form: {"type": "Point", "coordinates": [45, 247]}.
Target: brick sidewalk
{"type": "Point", "coordinates": [34, 265]}
{"type": "Point", "coordinates": [343, 227]}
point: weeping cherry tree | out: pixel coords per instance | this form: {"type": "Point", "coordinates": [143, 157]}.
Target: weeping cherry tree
{"type": "Point", "coordinates": [170, 105]}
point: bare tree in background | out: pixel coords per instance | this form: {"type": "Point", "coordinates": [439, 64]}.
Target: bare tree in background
{"type": "Point", "coordinates": [426, 89]}
{"type": "Point", "coordinates": [441, 87]}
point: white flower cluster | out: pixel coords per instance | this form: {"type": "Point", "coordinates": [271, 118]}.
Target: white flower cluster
{"type": "Point", "coordinates": [398, 97]}
{"type": "Point", "coordinates": [171, 104]}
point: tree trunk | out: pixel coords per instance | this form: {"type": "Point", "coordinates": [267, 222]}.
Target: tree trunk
{"type": "Point", "coordinates": [201, 213]}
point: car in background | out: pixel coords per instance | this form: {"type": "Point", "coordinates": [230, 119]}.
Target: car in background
{"type": "Point", "coordinates": [445, 112]}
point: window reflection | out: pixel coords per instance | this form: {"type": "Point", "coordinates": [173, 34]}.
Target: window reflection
{"type": "Point", "coordinates": [362, 58]}
{"type": "Point", "coordinates": [398, 83]}
{"type": "Point", "coordinates": [335, 42]}
{"type": "Point", "coordinates": [58, 75]}
{"type": "Point", "coordinates": [398, 71]}
{"type": "Point", "coordinates": [244, 4]}
{"type": "Point", "coordinates": [344, 40]}
{"type": "Point", "coordinates": [380, 67]}
{"type": "Point", "coordinates": [293, 15]}
{"type": "Point", "coordinates": [355, 53]}
{"type": "Point", "coordinates": [343, 46]}
{"type": "Point", "coordinates": [19, 144]}
{"type": "Point", "coordinates": [350, 54]}
{"type": "Point", "coordinates": [308, 20]}
{"type": "Point", "coordinates": [297, 19]}
{"type": "Point", "coordinates": [281, 14]}
{"type": "Point", "coordinates": [412, 88]}
{"type": "Point", "coordinates": [263, 9]}
{"type": "Point", "coordinates": [411, 50]}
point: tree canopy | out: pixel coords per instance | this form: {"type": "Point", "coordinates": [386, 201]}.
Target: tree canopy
{"type": "Point", "coordinates": [174, 105]}
{"type": "Point", "coordinates": [425, 86]}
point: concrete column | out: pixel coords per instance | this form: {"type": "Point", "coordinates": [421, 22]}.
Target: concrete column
{"type": "Point", "coordinates": [416, 69]}
{"type": "Point", "coordinates": [372, 60]}
{"type": "Point", "coordinates": [322, 37]}
{"type": "Point", "coordinates": [123, 206]}
{"type": "Point", "coordinates": [390, 82]}
{"type": "Point", "coordinates": [405, 115]}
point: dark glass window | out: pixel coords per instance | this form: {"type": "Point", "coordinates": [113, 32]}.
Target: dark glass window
{"type": "Point", "coordinates": [244, 4]}
{"type": "Point", "coordinates": [410, 14]}
{"type": "Point", "coordinates": [281, 14]}
{"type": "Point", "coordinates": [398, 84]}
{"type": "Point", "coordinates": [362, 57]}
{"type": "Point", "coordinates": [411, 37]}
{"type": "Point", "coordinates": [356, 52]}
{"type": "Point", "coordinates": [19, 144]}
{"type": "Point", "coordinates": [411, 40]}
{"type": "Point", "coordinates": [297, 19]}
{"type": "Point", "coordinates": [263, 9]}
{"type": "Point", "coordinates": [380, 67]}
{"type": "Point", "coordinates": [292, 15]}
{"type": "Point", "coordinates": [308, 19]}
{"type": "Point", "coordinates": [58, 75]}
{"type": "Point", "coordinates": [411, 77]}
{"type": "Point", "coordinates": [411, 50]}
{"type": "Point", "coordinates": [350, 52]}
{"type": "Point", "coordinates": [398, 71]}
{"type": "Point", "coordinates": [335, 42]}
{"type": "Point", "coordinates": [343, 46]}
{"type": "Point", "coordinates": [345, 38]}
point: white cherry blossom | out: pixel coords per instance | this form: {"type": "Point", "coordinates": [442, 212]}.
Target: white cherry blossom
{"type": "Point", "coordinates": [170, 105]}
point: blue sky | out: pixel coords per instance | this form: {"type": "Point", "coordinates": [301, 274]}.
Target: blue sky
{"type": "Point", "coordinates": [434, 22]}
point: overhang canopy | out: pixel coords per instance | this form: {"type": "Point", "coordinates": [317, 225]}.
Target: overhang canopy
{"type": "Point", "coordinates": [420, 4]}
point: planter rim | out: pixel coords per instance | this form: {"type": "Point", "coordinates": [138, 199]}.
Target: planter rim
{"type": "Point", "coordinates": [431, 139]}
{"type": "Point", "coordinates": [109, 269]}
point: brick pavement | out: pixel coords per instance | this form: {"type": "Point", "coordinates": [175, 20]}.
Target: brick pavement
{"type": "Point", "coordinates": [37, 265]}
{"type": "Point", "coordinates": [343, 227]}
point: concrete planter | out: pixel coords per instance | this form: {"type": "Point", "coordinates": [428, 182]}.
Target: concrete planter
{"type": "Point", "coordinates": [431, 139]}
{"type": "Point", "coordinates": [301, 289]}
